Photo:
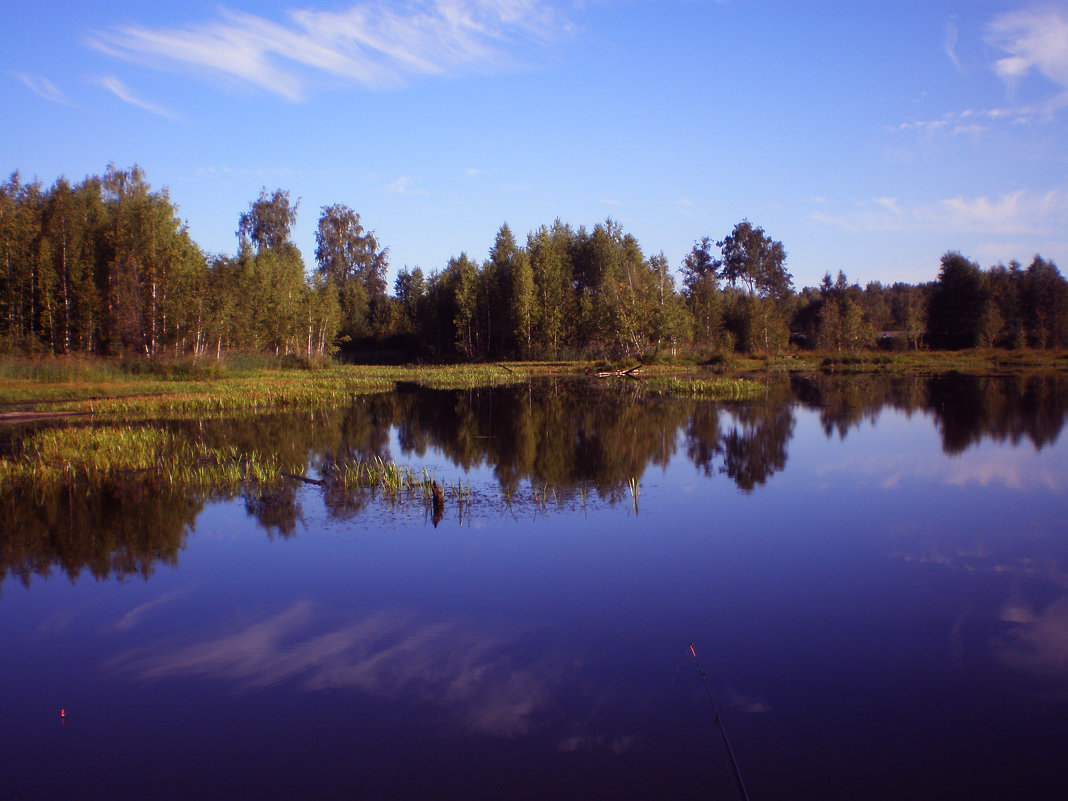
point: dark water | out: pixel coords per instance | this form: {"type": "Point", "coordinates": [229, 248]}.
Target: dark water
{"type": "Point", "coordinates": [873, 573]}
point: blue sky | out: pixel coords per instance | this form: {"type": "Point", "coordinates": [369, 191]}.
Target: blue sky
{"type": "Point", "coordinates": [868, 137]}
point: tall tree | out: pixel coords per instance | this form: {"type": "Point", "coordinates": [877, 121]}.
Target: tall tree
{"type": "Point", "coordinates": [957, 303]}
{"type": "Point", "coordinates": [752, 258]}
{"type": "Point", "coordinates": [700, 270]}
{"type": "Point", "coordinates": [351, 257]}
{"type": "Point", "coordinates": [150, 247]}
{"type": "Point", "coordinates": [549, 251]}
{"type": "Point", "coordinates": [1045, 304]}
{"type": "Point", "coordinates": [268, 222]}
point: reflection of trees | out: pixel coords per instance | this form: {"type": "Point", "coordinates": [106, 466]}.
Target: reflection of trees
{"type": "Point", "coordinates": [971, 408]}
{"type": "Point", "coordinates": [845, 402]}
{"type": "Point", "coordinates": [276, 509]}
{"type": "Point", "coordinates": [570, 435]}
{"type": "Point", "coordinates": [119, 529]}
{"type": "Point", "coordinates": [755, 449]}
{"type": "Point", "coordinates": [565, 434]}
{"type": "Point", "coordinates": [967, 409]}
{"type": "Point", "coordinates": [752, 447]}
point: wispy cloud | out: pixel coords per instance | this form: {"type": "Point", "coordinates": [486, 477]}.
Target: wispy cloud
{"type": "Point", "coordinates": [1034, 40]}
{"type": "Point", "coordinates": [120, 90]}
{"type": "Point", "coordinates": [449, 665]}
{"type": "Point", "coordinates": [1038, 646]}
{"type": "Point", "coordinates": [950, 45]}
{"type": "Point", "coordinates": [372, 44]}
{"type": "Point", "coordinates": [405, 185]}
{"type": "Point", "coordinates": [42, 87]}
{"type": "Point", "coordinates": [138, 613]}
{"type": "Point", "coordinates": [1017, 213]}
{"type": "Point", "coordinates": [971, 121]}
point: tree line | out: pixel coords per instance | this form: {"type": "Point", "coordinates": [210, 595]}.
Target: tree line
{"type": "Point", "coordinates": [107, 267]}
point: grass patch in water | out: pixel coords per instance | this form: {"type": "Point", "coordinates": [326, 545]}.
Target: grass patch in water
{"type": "Point", "coordinates": [99, 455]}
{"type": "Point", "coordinates": [102, 389]}
{"type": "Point", "coordinates": [719, 389]}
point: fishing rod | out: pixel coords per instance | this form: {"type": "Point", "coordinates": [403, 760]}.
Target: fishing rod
{"type": "Point", "coordinates": [731, 761]}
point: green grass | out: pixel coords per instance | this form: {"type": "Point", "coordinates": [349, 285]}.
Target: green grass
{"type": "Point", "coordinates": [143, 390]}
{"type": "Point", "coordinates": [104, 390]}
{"type": "Point", "coordinates": [718, 389]}
{"type": "Point", "coordinates": [94, 456]}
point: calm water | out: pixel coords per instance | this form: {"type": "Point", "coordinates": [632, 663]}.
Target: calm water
{"type": "Point", "coordinates": [873, 573]}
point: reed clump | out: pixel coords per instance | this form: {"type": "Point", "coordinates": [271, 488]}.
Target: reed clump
{"type": "Point", "coordinates": [377, 474]}
{"type": "Point", "coordinates": [98, 455]}
{"type": "Point", "coordinates": [718, 389]}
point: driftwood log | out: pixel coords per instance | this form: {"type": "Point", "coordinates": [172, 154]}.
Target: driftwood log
{"type": "Point", "coordinates": [305, 479]}
{"type": "Point", "coordinates": [620, 373]}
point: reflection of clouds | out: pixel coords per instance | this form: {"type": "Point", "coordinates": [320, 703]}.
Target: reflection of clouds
{"type": "Point", "coordinates": [1010, 468]}
{"type": "Point", "coordinates": [469, 673]}
{"type": "Point", "coordinates": [615, 745]}
{"type": "Point", "coordinates": [1038, 645]}
{"type": "Point", "coordinates": [748, 704]}
{"type": "Point", "coordinates": [1017, 469]}
{"type": "Point", "coordinates": [133, 617]}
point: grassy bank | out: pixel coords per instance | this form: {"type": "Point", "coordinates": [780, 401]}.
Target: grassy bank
{"type": "Point", "coordinates": [106, 391]}
{"type": "Point", "coordinates": [98, 456]}
{"type": "Point", "coordinates": [130, 390]}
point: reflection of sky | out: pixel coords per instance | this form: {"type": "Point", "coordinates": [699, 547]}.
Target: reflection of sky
{"type": "Point", "coordinates": [1036, 643]}
{"type": "Point", "coordinates": [899, 449]}
{"type": "Point", "coordinates": [467, 672]}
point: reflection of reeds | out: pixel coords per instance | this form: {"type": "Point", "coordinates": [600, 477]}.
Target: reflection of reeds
{"type": "Point", "coordinates": [99, 455]}
{"type": "Point", "coordinates": [721, 389]}
{"type": "Point", "coordinates": [635, 490]}
{"type": "Point", "coordinates": [107, 393]}
{"type": "Point", "coordinates": [377, 473]}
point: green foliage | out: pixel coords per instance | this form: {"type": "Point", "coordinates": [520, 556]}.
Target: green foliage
{"type": "Point", "coordinates": [721, 389]}
{"type": "Point", "coordinates": [752, 258]}
{"type": "Point", "coordinates": [107, 267]}
{"type": "Point", "coordinates": [350, 257]}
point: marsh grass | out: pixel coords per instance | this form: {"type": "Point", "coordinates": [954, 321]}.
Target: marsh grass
{"type": "Point", "coordinates": [95, 456]}
{"type": "Point", "coordinates": [108, 392]}
{"type": "Point", "coordinates": [718, 389]}
{"type": "Point", "coordinates": [380, 475]}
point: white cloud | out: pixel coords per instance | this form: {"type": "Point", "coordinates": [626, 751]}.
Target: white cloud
{"type": "Point", "coordinates": [1018, 213]}
{"type": "Point", "coordinates": [1035, 39]}
{"type": "Point", "coordinates": [950, 45]}
{"type": "Point", "coordinates": [971, 121]}
{"type": "Point", "coordinates": [42, 87]}
{"type": "Point", "coordinates": [373, 43]}
{"type": "Point", "coordinates": [119, 89]}
{"type": "Point", "coordinates": [455, 666]}
{"type": "Point", "coordinates": [404, 186]}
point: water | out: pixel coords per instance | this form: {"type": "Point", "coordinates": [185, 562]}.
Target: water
{"type": "Point", "coordinates": [872, 572]}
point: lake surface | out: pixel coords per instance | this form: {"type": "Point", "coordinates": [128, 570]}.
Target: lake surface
{"type": "Point", "coordinates": [872, 572]}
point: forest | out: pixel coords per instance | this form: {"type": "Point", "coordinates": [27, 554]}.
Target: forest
{"type": "Point", "coordinates": [107, 267]}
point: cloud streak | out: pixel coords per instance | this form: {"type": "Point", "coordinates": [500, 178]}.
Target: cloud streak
{"type": "Point", "coordinates": [1035, 40]}
{"type": "Point", "coordinates": [376, 45]}
{"type": "Point", "coordinates": [119, 89]}
{"type": "Point", "coordinates": [42, 87]}
{"type": "Point", "coordinates": [1018, 213]}
{"type": "Point", "coordinates": [950, 45]}
{"type": "Point", "coordinates": [454, 666]}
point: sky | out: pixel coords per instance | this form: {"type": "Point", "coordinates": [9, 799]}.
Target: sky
{"type": "Point", "coordinates": [868, 137]}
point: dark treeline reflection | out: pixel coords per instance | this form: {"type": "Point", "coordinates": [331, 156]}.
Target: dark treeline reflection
{"type": "Point", "coordinates": [112, 531]}
{"type": "Point", "coordinates": [577, 438]}
{"type": "Point", "coordinates": [966, 409]}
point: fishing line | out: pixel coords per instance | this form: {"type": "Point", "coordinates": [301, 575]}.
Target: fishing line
{"type": "Point", "coordinates": [735, 773]}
